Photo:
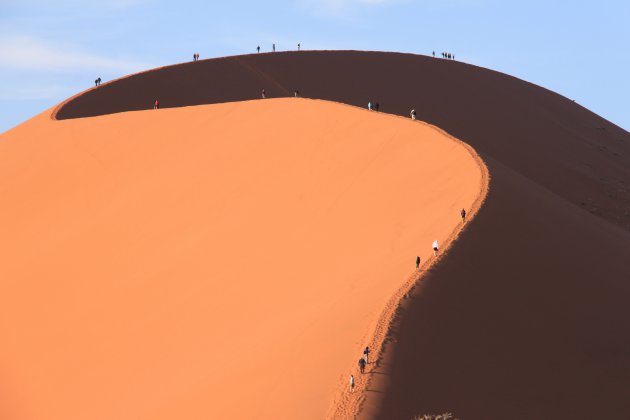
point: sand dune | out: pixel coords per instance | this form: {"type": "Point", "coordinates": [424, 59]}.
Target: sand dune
{"type": "Point", "coordinates": [527, 317]}
{"type": "Point", "coordinates": [220, 261]}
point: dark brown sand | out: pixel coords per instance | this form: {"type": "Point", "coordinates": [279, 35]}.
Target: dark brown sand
{"type": "Point", "coordinates": [527, 316]}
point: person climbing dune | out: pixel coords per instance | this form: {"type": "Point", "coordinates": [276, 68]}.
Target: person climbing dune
{"type": "Point", "coordinates": [418, 262]}
{"type": "Point", "coordinates": [362, 365]}
{"type": "Point", "coordinates": [436, 245]}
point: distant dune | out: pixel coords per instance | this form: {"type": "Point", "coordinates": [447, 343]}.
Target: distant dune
{"type": "Point", "coordinates": [219, 261]}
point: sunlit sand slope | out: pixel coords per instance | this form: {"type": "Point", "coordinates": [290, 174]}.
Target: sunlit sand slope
{"type": "Point", "coordinates": [219, 261]}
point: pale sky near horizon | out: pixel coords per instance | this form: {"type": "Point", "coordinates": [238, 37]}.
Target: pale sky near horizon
{"type": "Point", "coordinates": [52, 49]}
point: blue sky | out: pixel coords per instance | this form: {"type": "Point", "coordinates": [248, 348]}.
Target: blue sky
{"type": "Point", "coordinates": [52, 49]}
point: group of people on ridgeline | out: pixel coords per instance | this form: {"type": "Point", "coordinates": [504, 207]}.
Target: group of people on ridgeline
{"type": "Point", "coordinates": [263, 93]}
{"type": "Point", "coordinates": [196, 57]}
{"type": "Point", "coordinates": [97, 82]}
{"type": "Point", "coordinates": [273, 47]}
{"type": "Point", "coordinates": [373, 106]}
{"type": "Point", "coordinates": [448, 56]}
{"type": "Point", "coordinates": [436, 243]}
{"type": "Point", "coordinates": [363, 361]}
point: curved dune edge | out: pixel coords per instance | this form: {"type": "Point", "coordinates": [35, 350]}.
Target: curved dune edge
{"type": "Point", "coordinates": [348, 405]}
{"type": "Point", "coordinates": [365, 117]}
{"type": "Point", "coordinates": [59, 107]}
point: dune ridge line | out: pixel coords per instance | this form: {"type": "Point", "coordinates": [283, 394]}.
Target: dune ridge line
{"type": "Point", "coordinates": [348, 405]}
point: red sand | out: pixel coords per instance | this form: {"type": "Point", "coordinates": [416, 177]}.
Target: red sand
{"type": "Point", "coordinates": [222, 261]}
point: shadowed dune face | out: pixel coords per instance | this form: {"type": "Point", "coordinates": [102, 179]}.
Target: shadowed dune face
{"type": "Point", "coordinates": [221, 261]}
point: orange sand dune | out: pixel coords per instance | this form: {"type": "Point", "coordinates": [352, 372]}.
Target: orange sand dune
{"type": "Point", "coordinates": [219, 261]}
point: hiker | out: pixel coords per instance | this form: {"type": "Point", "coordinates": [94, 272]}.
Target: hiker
{"type": "Point", "coordinates": [362, 365]}
{"type": "Point", "coordinates": [376, 107]}
{"type": "Point", "coordinates": [413, 114]}
{"type": "Point", "coordinates": [195, 57]}
{"type": "Point", "coordinates": [156, 104]}
{"type": "Point", "coordinates": [99, 81]}
{"type": "Point", "coordinates": [433, 54]}
{"type": "Point", "coordinates": [264, 93]}
{"type": "Point", "coordinates": [95, 82]}
{"type": "Point", "coordinates": [296, 93]}
{"type": "Point", "coordinates": [463, 213]}
{"type": "Point", "coordinates": [435, 247]}
{"type": "Point", "coordinates": [418, 263]}
{"type": "Point", "coordinates": [369, 106]}
{"type": "Point", "coordinates": [351, 383]}
{"type": "Point", "coordinates": [258, 49]}
{"type": "Point", "coordinates": [366, 354]}
{"type": "Point", "coordinates": [298, 47]}
{"type": "Point", "coordinates": [274, 47]}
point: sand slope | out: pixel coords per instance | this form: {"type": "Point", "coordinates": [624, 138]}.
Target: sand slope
{"type": "Point", "coordinates": [222, 261]}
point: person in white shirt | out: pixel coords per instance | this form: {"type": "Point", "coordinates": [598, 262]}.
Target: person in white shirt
{"type": "Point", "coordinates": [351, 383]}
{"type": "Point", "coordinates": [435, 247]}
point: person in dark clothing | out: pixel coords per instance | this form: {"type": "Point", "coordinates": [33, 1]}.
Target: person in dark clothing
{"type": "Point", "coordinates": [156, 104]}
{"type": "Point", "coordinates": [273, 47]}
{"type": "Point", "coordinates": [296, 93]}
{"type": "Point", "coordinates": [463, 213]}
{"type": "Point", "coordinates": [362, 365]}
{"type": "Point", "coordinates": [258, 49]}
{"type": "Point", "coordinates": [96, 82]}
{"type": "Point", "coordinates": [99, 81]}
{"type": "Point", "coordinates": [376, 106]}
{"type": "Point", "coordinates": [418, 262]}
{"type": "Point", "coordinates": [366, 354]}
{"type": "Point", "coordinates": [298, 47]}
